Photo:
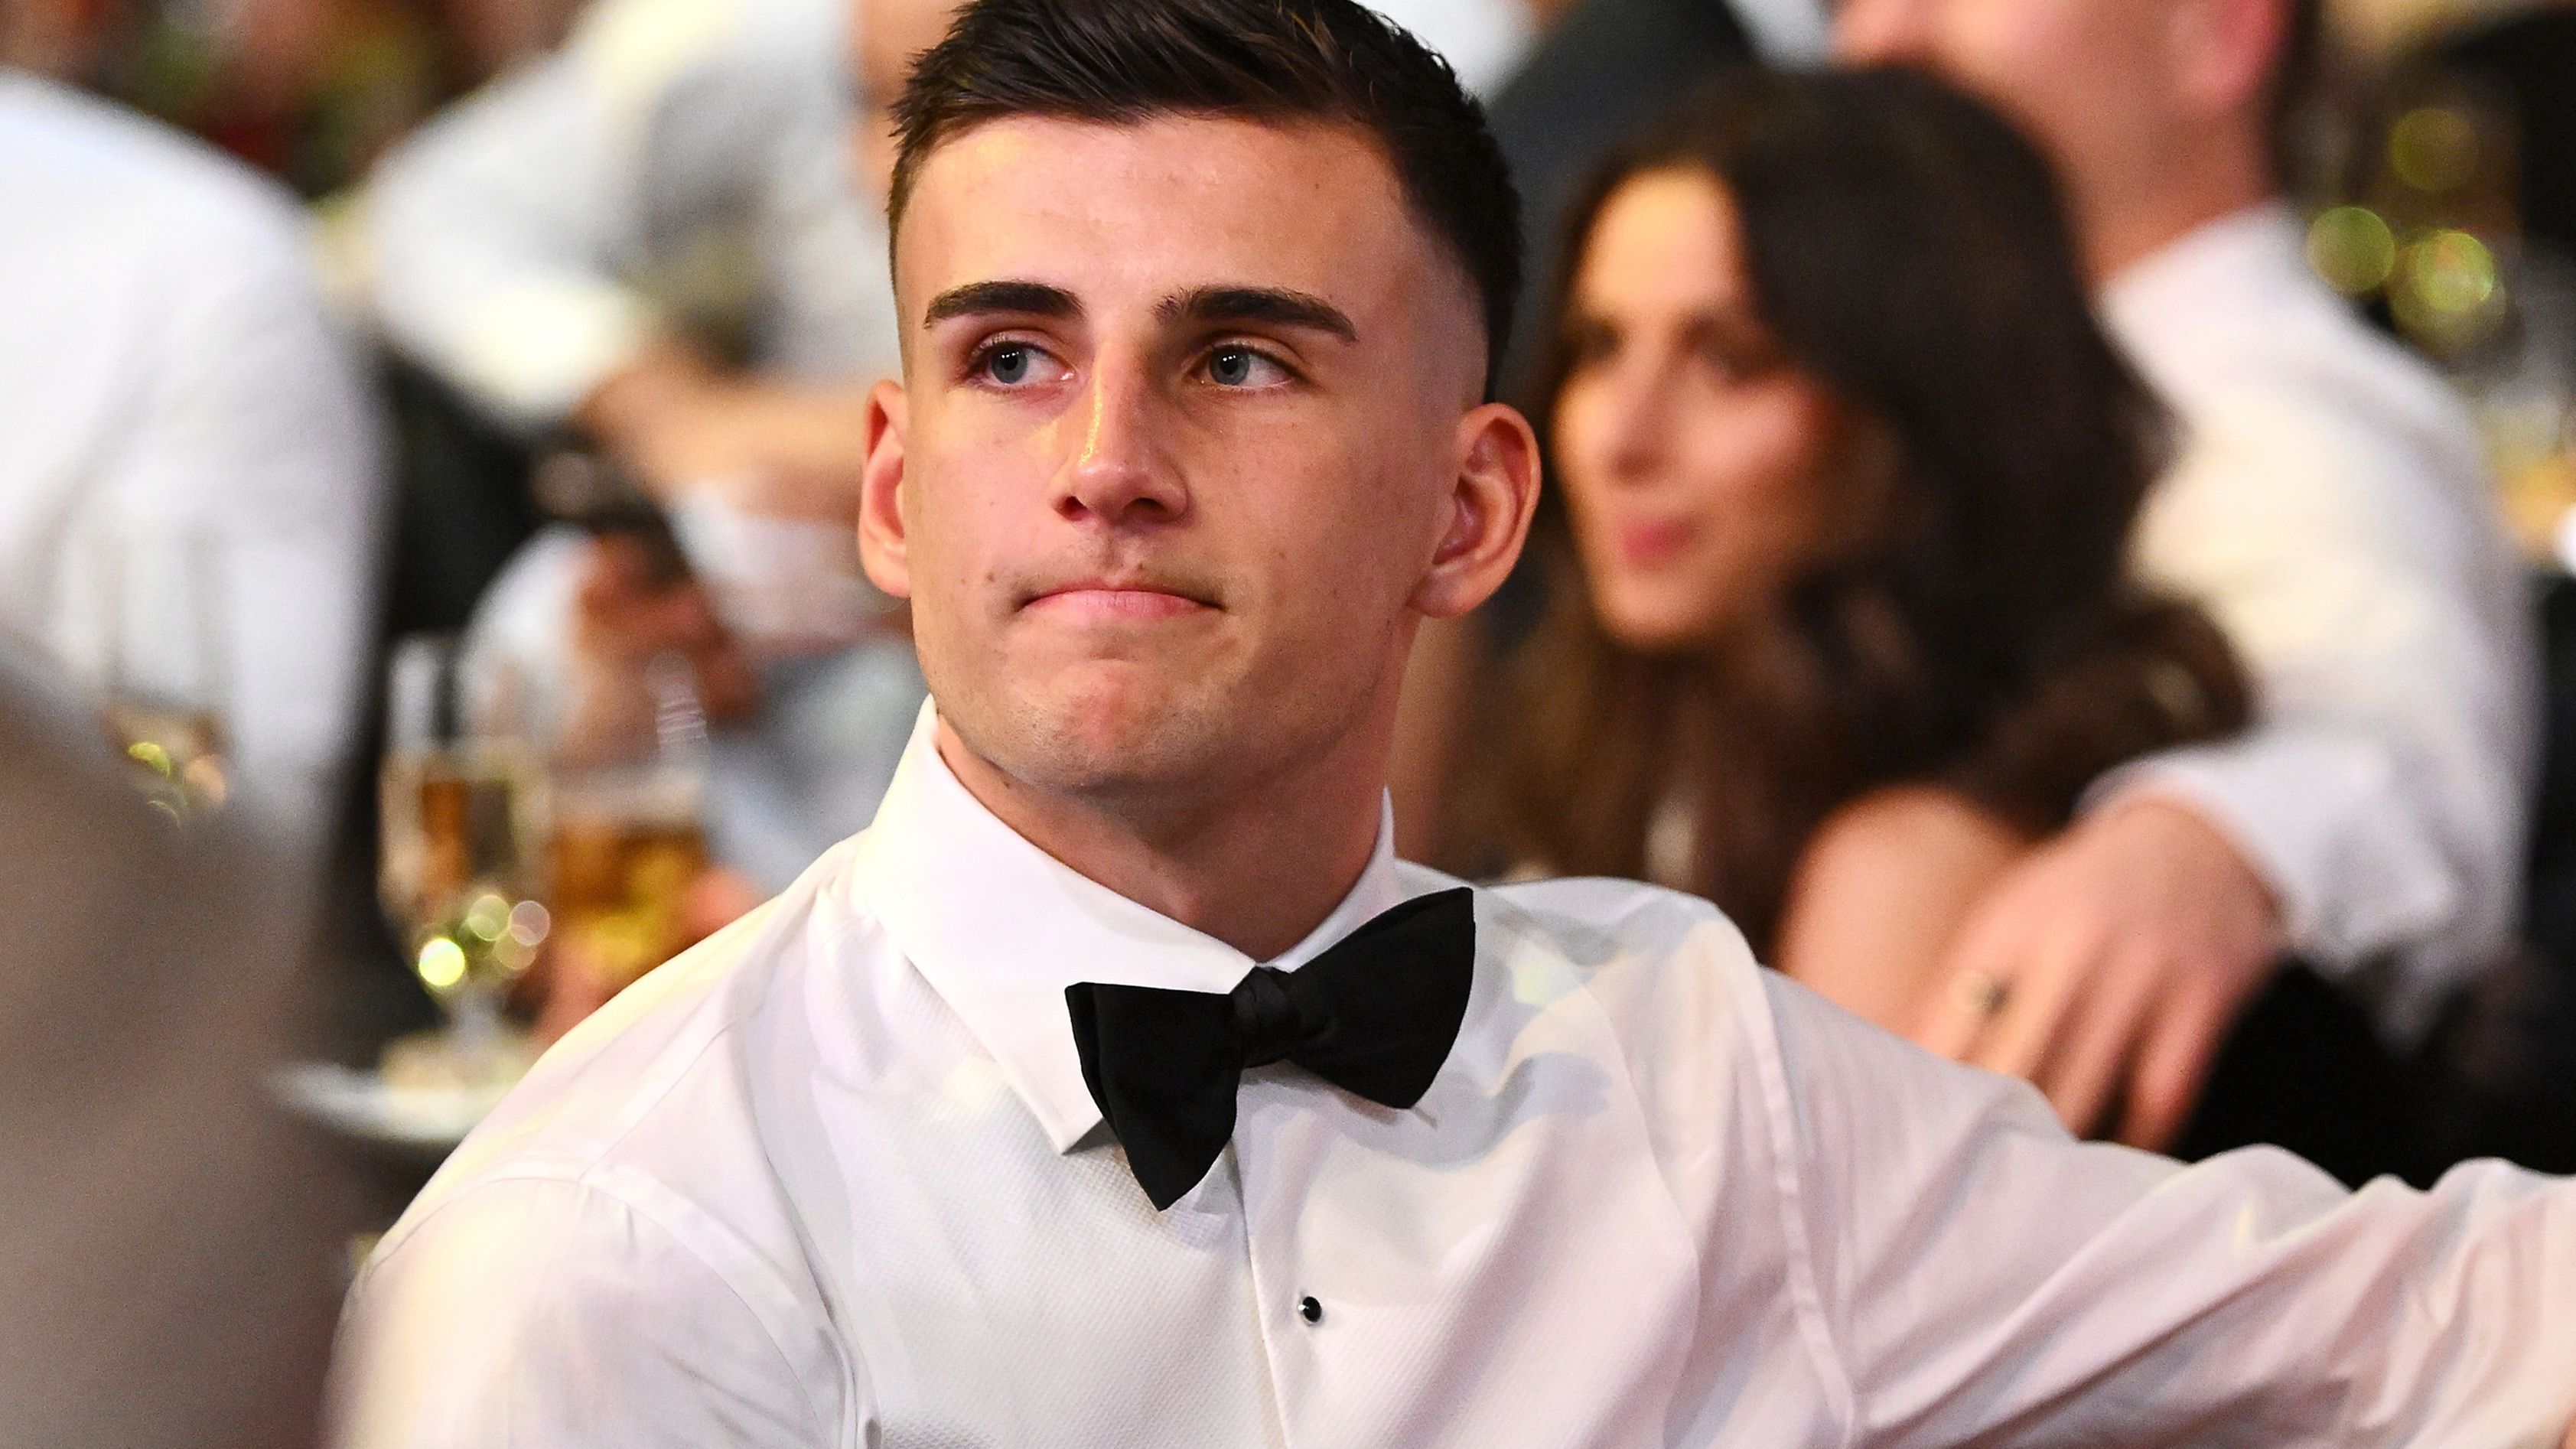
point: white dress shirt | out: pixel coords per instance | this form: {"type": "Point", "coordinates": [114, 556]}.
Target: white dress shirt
{"type": "Point", "coordinates": [834, 1179]}
{"type": "Point", "coordinates": [2331, 511]}
{"type": "Point", "coordinates": [1484, 41]}
{"type": "Point", "coordinates": [168, 370]}
{"type": "Point", "coordinates": [1787, 32]}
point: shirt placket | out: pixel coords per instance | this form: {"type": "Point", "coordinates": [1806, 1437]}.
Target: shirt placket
{"type": "Point", "coordinates": [1223, 1194]}
{"type": "Point", "coordinates": [1303, 1338]}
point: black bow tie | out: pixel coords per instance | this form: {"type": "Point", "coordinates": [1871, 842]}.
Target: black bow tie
{"type": "Point", "coordinates": [1375, 1015]}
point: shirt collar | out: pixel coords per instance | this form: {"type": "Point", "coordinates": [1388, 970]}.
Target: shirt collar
{"type": "Point", "coordinates": [2228, 269]}
{"type": "Point", "coordinates": [1000, 928]}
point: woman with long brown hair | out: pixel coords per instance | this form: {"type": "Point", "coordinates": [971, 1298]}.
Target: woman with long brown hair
{"type": "Point", "coordinates": [1838, 618]}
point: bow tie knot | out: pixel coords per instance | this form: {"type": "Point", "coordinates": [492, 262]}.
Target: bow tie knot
{"type": "Point", "coordinates": [1270, 1020]}
{"type": "Point", "coordinates": [1374, 1015]}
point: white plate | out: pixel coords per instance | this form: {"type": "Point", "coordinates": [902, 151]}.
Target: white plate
{"type": "Point", "coordinates": [363, 1105]}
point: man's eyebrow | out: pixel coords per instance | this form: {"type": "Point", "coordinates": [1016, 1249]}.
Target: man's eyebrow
{"type": "Point", "coordinates": [984, 299]}
{"type": "Point", "coordinates": [1274, 305]}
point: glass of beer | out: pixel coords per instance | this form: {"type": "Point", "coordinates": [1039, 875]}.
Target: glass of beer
{"type": "Point", "coordinates": [626, 844]}
{"type": "Point", "coordinates": [460, 868]}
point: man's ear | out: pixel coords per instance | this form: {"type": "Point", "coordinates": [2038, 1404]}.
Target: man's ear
{"type": "Point", "coordinates": [883, 544]}
{"type": "Point", "coordinates": [1491, 501]}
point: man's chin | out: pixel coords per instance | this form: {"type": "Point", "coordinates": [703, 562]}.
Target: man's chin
{"type": "Point", "coordinates": [1112, 735]}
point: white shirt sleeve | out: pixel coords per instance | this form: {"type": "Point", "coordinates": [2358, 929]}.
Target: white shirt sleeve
{"type": "Point", "coordinates": [2383, 791]}
{"type": "Point", "coordinates": [541, 1313]}
{"type": "Point", "coordinates": [259, 434]}
{"type": "Point", "coordinates": [1987, 1279]}
{"type": "Point", "coordinates": [528, 243]}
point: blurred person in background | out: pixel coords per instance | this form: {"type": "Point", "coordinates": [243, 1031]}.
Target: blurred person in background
{"type": "Point", "coordinates": [1853, 626]}
{"type": "Point", "coordinates": [169, 376]}
{"type": "Point", "coordinates": [310, 91]}
{"type": "Point", "coordinates": [658, 234]}
{"type": "Point", "coordinates": [1607, 68]}
{"type": "Point", "coordinates": [174, 1247]}
{"type": "Point", "coordinates": [2330, 511]}
{"type": "Point", "coordinates": [661, 239]}
{"type": "Point", "coordinates": [1602, 71]}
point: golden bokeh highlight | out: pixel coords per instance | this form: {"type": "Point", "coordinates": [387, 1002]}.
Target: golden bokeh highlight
{"type": "Point", "coordinates": [442, 964]}
{"type": "Point", "coordinates": [2353, 249]}
{"type": "Point", "coordinates": [2434, 150]}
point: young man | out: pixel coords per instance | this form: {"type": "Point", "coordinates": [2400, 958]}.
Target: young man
{"type": "Point", "coordinates": [2330, 510]}
{"type": "Point", "coordinates": [579, 242]}
{"type": "Point", "coordinates": [1118, 1087]}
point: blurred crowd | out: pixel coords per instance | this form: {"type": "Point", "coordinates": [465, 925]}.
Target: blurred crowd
{"type": "Point", "coordinates": [2055, 522]}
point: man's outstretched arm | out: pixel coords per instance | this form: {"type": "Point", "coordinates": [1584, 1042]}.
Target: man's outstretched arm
{"type": "Point", "coordinates": [1988, 1277]}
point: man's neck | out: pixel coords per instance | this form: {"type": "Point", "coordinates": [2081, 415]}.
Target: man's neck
{"type": "Point", "coordinates": [2128, 219]}
{"type": "Point", "coordinates": [1258, 869]}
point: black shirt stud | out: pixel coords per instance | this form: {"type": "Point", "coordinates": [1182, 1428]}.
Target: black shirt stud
{"type": "Point", "coordinates": [1310, 1310]}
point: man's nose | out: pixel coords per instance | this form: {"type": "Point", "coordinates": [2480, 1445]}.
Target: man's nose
{"type": "Point", "coordinates": [1121, 471]}
{"type": "Point", "coordinates": [1881, 30]}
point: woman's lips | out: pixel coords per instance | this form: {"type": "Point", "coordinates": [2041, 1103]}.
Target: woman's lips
{"type": "Point", "coordinates": [1643, 545]}
{"type": "Point", "coordinates": [1115, 602]}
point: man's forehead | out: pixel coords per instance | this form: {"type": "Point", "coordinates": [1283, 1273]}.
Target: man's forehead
{"type": "Point", "coordinates": [1162, 205]}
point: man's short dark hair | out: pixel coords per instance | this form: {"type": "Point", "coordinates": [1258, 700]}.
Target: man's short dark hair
{"type": "Point", "coordinates": [1280, 61]}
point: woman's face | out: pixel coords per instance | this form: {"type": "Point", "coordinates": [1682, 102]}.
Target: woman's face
{"type": "Point", "coordinates": [1693, 456]}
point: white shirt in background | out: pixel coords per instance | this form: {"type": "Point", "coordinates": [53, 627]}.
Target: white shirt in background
{"type": "Point", "coordinates": [677, 164]}
{"type": "Point", "coordinates": [834, 1179]}
{"type": "Point", "coordinates": [168, 372]}
{"type": "Point", "coordinates": [1484, 41]}
{"type": "Point", "coordinates": [2332, 511]}
{"type": "Point", "coordinates": [1786, 32]}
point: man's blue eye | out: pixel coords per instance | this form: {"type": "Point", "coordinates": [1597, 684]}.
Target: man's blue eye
{"type": "Point", "coordinates": [1008, 365]}
{"type": "Point", "coordinates": [1231, 367]}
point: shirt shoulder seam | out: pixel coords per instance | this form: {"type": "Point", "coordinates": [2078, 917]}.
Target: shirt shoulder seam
{"type": "Point", "coordinates": [1789, 1190]}
{"type": "Point", "coordinates": [1806, 1293]}
{"type": "Point", "coordinates": [582, 1182]}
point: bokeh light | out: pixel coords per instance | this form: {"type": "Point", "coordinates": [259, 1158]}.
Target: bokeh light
{"type": "Point", "coordinates": [2452, 272]}
{"type": "Point", "coordinates": [2448, 293]}
{"type": "Point", "coordinates": [442, 964]}
{"type": "Point", "coordinates": [2433, 150]}
{"type": "Point", "coordinates": [530, 923]}
{"type": "Point", "coordinates": [2353, 249]}
{"type": "Point", "coordinates": [488, 917]}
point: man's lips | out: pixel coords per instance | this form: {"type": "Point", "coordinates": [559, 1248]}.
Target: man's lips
{"type": "Point", "coordinates": [1113, 601]}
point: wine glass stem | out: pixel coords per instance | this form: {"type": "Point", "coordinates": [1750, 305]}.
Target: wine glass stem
{"type": "Point", "coordinates": [477, 1021]}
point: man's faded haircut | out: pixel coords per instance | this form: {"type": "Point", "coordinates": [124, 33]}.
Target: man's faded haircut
{"type": "Point", "coordinates": [1282, 62]}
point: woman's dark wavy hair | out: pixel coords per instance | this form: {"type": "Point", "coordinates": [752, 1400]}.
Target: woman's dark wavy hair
{"type": "Point", "coordinates": [1907, 248]}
